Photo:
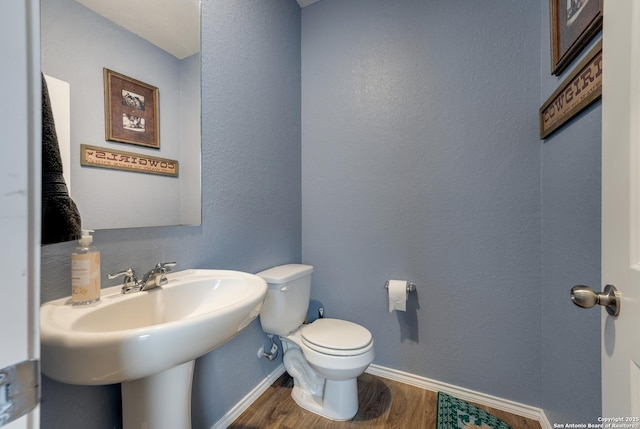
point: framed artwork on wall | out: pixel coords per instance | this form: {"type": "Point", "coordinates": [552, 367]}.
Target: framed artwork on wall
{"type": "Point", "coordinates": [573, 24]}
{"type": "Point", "coordinates": [130, 110]}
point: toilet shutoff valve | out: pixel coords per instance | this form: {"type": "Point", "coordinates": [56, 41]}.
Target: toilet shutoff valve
{"type": "Point", "coordinates": [273, 352]}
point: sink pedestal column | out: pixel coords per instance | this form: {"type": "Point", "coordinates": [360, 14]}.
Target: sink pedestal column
{"type": "Point", "coordinates": [160, 401]}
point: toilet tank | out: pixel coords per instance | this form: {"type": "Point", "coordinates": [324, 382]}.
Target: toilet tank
{"type": "Point", "coordinates": [287, 301]}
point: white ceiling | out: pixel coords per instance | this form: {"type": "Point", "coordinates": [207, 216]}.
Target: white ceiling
{"type": "Point", "coordinates": [172, 25]}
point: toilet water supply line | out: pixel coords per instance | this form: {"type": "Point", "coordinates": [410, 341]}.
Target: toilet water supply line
{"type": "Point", "coordinates": [273, 352]}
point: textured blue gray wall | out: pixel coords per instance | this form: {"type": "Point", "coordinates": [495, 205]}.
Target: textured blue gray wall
{"type": "Point", "coordinates": [251, 202]}
{"type": "Point", "coordinates": [421, 161]}
{"type": "Point", "coordinates": [570, 183]}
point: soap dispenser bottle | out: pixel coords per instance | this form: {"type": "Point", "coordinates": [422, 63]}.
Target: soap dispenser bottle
{"type": "Point", "coordinates": [85, 271]}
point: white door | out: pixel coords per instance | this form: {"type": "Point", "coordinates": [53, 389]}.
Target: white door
{"type": "Point", "coordinates": [621, 209]}
{"type": "Point", "coordinates": [19, 211]}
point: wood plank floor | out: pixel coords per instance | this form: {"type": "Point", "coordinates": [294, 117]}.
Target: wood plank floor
{"type": "Point", "coordinates": [383, 404]}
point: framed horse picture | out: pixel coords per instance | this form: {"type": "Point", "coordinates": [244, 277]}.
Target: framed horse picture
{"type": "Point", "coordinates": [574, 23]}
{"type": "Point", "coordinates": [130, 110]}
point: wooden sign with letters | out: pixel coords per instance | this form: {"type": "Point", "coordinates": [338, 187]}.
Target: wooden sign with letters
{"type": "Point", "coordinates": [94, 156]}
{"type": "Point", "coordinates": [579, 90]}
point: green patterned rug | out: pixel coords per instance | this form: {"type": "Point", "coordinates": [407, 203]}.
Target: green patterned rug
{"type": "Point", "coordinates": [454, 413]}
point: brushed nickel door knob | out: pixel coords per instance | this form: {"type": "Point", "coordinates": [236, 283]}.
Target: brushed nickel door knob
{"type": "Point", "coordinates": [585, 297]}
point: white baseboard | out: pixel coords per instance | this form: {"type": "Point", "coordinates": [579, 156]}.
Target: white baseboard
{"type": "Point", "coordinates": [512, 407]}
{"type": "Point", "coordinates": [251, 397]}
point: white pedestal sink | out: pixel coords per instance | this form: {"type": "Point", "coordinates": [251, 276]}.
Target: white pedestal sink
{"type": "Point", "coordinates": [148, 341]}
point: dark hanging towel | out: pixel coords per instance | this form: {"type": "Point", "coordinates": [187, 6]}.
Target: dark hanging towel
{"type": "Point", "coordinates": [60, 216]}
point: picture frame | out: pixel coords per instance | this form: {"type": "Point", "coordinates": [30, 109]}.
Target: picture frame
{"type": "Point", "coordinates": [131, 110]}
{"type": "Point", "coordinates": [573, 24]}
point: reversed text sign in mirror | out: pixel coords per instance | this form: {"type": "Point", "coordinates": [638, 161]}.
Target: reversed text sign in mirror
{"type": "Point", "coordinates": [93, 156]}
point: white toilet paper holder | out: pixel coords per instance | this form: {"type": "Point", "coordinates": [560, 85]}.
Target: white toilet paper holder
{"type": "Point", "coordinates": [411, 287]}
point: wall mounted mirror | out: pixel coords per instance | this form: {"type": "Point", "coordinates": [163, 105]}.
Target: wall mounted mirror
{"type": "Point", "coordinates": [158, 44]}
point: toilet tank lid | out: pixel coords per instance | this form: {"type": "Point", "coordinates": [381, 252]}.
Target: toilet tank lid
{"type": "Point", "coordinates": [285, 273]}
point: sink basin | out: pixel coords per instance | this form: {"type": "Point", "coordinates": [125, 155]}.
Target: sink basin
{"type": "Point", "coordinates": [129, 337]}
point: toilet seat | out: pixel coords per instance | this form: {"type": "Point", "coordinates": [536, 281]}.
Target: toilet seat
{"type": "Point", "coordinates": [336, 337]}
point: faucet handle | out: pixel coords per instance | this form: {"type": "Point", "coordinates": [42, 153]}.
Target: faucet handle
{"type": "Point", "coordinates": [127, 273]}
{"type": "Point", "coordinates": [130, 281]}
{"type": "Point", "coordinates": [166, 266]}
{"type": "Point", "coordinates": [161, 269]}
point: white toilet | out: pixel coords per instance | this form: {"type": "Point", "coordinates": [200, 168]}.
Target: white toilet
{"type": "Point", "coordinates": [324, 357]}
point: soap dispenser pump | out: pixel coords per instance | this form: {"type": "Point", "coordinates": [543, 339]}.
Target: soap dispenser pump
{"type": "Point", "coordinates": [85, 271]}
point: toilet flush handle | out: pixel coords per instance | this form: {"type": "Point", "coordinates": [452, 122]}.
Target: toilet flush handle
{"type": "Point", "coordinates": [284, 289]}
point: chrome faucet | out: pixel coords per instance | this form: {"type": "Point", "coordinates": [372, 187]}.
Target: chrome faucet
{"type": "Point", "coordinates": [152, 279]}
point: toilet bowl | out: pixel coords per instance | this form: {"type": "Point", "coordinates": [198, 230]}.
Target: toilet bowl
{"type": "Point", "coordinates": [324, 357]}
{"type": "Point", "coordinates": [325, 372]}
